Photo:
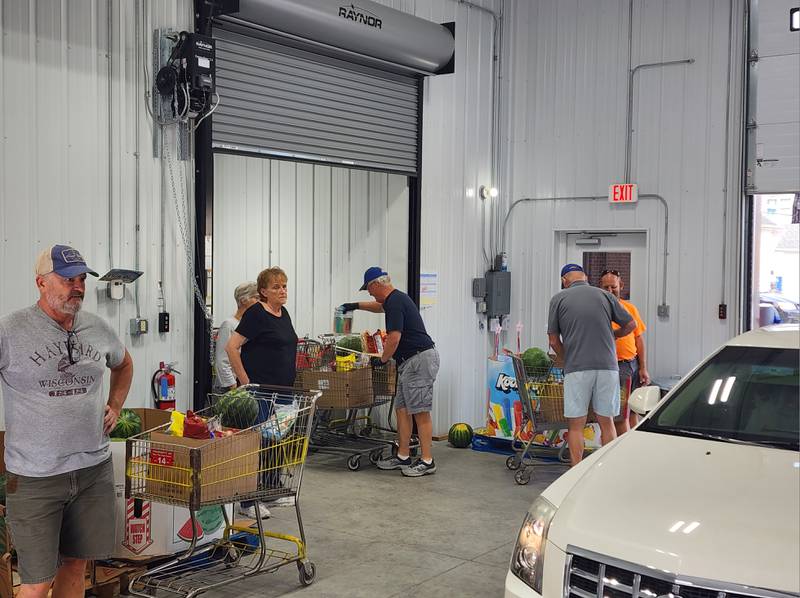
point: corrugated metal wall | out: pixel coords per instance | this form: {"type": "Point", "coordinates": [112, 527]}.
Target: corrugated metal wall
{"type": "Point", "coordinates": [67, 165]}
{"type": "Point", "coordinates": [324, 226]}
{"type": "Point", "coordinates": [566, 123]}
{"type": "Point", "coordinates": [456, 161]}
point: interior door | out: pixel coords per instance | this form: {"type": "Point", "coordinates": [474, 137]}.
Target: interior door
{"type": "Point", "coordinates": [624, 252]}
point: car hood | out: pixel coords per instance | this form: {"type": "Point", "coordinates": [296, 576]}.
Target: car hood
{"type": "Point", "coordinates": [744, 499]}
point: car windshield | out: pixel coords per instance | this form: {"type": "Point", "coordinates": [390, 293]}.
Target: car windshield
{"type": "Point", "coordinates": [742, 394]}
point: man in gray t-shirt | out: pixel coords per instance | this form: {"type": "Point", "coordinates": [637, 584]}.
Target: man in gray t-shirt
{"type": "Point", "coordinates": [60, 484]}
{"type": "Point", "coordinates": [580, 333]}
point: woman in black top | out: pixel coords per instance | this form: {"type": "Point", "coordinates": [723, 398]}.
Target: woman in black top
{"type": "Point", "coordinates": [268, 345]}
{"type": "Point", "coordinates": [265, 336]}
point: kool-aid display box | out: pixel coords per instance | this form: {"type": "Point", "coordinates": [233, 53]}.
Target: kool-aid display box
{"type": "Point", "coordinates": [505, 411]}
{"type": "Point", "coordinates": [504, 414]}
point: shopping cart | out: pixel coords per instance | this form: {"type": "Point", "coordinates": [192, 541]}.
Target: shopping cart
{"type": "Point", "coordinates": [350, 389]}
{"type": "Point", "coordinates": [259, 455]}
{"type": "Point", "coordinates": [541, 393]}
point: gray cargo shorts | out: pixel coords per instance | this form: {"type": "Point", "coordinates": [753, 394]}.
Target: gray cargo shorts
{"type": "Point", "coordinates": [415, 378]}
{"type": "Point", "coordinates": [66, 515]}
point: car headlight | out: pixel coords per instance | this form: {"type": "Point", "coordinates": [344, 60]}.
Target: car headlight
{"type": "Point", "coordinates": [527, 561]}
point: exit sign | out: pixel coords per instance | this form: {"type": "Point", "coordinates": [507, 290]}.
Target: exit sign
{"type": "Point", "coordinates": [623, 193]}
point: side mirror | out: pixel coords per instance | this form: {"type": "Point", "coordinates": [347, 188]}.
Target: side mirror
{"type": "Point", "coordinates": [644, 400]}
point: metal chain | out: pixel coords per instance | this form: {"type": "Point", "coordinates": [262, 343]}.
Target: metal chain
{"type": "Point", "coordinates": [181, 209]}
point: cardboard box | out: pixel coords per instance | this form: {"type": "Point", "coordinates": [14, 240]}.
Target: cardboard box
{"type": "Point", "coordinates": [152, 418]}
{"type": "Point", "coordinates": [227, 467]}
{"type": "Point", "coordinates": [145, 528]}
{"type": "Point", "coordinates": [340, 390]}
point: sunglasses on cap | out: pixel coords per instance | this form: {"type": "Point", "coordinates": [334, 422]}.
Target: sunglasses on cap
{"type": "Point", "coordinates": [614, 272]}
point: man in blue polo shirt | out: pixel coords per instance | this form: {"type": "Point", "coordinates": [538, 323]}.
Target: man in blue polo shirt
{"type": "Point", "coordinates": [417, 365]}
{"type": "Point", "coordinates": [580, 333]}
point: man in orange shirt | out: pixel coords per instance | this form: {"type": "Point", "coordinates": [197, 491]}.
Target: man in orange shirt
{"type": "Point", "coordinates": [630, 350]}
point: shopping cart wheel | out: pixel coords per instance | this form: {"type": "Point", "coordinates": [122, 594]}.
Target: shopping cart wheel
{"type": "Point", "coordinates": [375, 456]}
{"type": "Point", "coordinates": [513, 462]}
{"type": "Point", "coordinates": [307, 572]}
{"type": "Point", "coordinates": [522, 477]}
{"type": "Point", "coordinates": [354, 462]}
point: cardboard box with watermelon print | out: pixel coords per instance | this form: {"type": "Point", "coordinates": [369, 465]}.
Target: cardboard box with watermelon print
{"type": "Point", "coordinates": [145, 528]}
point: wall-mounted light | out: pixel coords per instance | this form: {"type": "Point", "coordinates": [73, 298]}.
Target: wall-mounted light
{"type": "Point", "coordinates": [117, 278]}
{"type": "Point", "coordinates": [487, 192]}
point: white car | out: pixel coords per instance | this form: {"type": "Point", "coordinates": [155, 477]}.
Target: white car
{"type": "Point", "coordinates": [701, 500]}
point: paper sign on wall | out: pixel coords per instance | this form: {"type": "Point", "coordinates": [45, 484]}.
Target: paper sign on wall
{"type": "Point", "coordinates": [428, 288]}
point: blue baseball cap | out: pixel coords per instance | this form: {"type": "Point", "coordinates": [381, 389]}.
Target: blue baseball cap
{"type": "Point", "coordinates": [64, 261]}
{"type": "Point", "coordinates": [371, 274]}
{"type": "Point", "coordinates": [571, 268]}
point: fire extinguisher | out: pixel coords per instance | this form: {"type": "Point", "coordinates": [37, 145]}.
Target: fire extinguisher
{"type": "Point", "coordinates": [163, 386]}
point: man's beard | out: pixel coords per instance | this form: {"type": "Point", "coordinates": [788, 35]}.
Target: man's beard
{"type": "Point", "coordinates": [67, 306]}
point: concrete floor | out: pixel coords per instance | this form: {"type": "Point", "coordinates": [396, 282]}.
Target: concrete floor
{"type": "Point", "coordinates": [376, 534]}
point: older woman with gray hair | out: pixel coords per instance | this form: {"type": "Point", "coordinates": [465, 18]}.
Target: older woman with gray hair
{"type": "Point", "coordinates": [246, 294]}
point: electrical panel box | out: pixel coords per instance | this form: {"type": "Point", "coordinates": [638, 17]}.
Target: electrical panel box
{"type": "Point", "coordinates": [479, 288]}
{"type": "Point", "coordinates": [498, 293]}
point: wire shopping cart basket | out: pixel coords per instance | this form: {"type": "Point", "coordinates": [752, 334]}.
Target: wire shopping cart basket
{"type": "Point", "coordinates": [350, 388]}
{"type": "Point", "coordinates": [541, 393]}
{"type": "Point", "coordinates": [258, 455]}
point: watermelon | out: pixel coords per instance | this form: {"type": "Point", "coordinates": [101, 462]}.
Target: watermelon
{"type": "Point", "coordinates": [460, 435]}
{"type": "Point", "coordinates": [237, 409]}
{"type": "Point", "coordinates": [128, 424]}
{"type": "Point", "coordinates": [535, 359]}
{"type": "Point", "coordinates": [352, 342]}
{"type": "Point", "coordinates": [185, 533]}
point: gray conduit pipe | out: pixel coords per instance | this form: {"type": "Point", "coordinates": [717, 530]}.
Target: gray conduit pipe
{"type": "Point", "coordinates": [137, 152]}
{"type": "Point", "coordinates": [109, 41]}
{"type": "Point", "coordinates": [605, 198]}
{"type": "Point", "coordinates": [726, 161]}
{"type": "Point", "coordinates": [629, 132]}
{"type": "Point", "coordinates": [497, 30]}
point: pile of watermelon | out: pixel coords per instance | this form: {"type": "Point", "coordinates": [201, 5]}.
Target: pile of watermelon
{"type": "Point", "coordinates": [237, 409]}
{"type": "Point", "coordinates": [535, 359]}
{"type": "Point", "coordinates": [460, 435]}
{"type": "Point", "coordinates": [128, 424]}
{"type": "Point", "coordinates": [352, 342]}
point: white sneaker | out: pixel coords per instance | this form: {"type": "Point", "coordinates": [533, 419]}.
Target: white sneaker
{"type": "Point", "coordinates": [283, 501]}
{"type": "Point", "coordinates": [250, 512]}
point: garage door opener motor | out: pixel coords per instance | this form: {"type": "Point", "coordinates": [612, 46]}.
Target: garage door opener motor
{"type": "Point", "coordinates": [186, 81]}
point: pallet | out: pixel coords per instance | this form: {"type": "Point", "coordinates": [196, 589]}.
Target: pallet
{"type": "Point", "coordinates": [110, 582]}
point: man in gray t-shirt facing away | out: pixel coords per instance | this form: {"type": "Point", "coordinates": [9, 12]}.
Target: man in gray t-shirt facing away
{"type": "Point", "coordinates": [580, 333]}
{"type": "Point", "coordinates": [60, 481]}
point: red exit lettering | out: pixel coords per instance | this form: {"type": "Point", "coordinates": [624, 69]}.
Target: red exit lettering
{"type": "Point", "coordinates": [623, 193]}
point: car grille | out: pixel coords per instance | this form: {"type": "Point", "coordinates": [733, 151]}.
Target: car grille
{"type": "Point", "coordinates": [594, 576]}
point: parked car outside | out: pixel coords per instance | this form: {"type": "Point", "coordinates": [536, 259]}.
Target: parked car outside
{"type": "Point", "coordinates": [700, 500]}
{"type": "Point", "coordinates": [788, 310]}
